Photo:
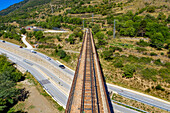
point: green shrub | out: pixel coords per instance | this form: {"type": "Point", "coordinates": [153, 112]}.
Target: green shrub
{"type": "Point", "coordinates": [118, 64]}
{"type": "Point", "coordinates": [157, 39]}
{"type": "Point", "coordinates": [169, 56]}
{"type": "Point", "coordinates": [132, 58]}
{"type": "Point", "coordinates": [158, 62]}
{"type": "Point", "coordinates": [110, 33]}
{"type": "Point", "coordinates": [62, 54]}
{"type": "Point", "coordinates": [141, 49]}
{"type": "Point", "coordinates": [107, 54]}
{"type": "Point", "coordinates": [161, 16]}
{"type": "Point", "coordinates": [145, 60]}
{"type": "Point", "coordinates": [164, 73]}
{"type": "Point", "coordinates": [142, 43]}
{"type": "Point", "coordinates": [148, 90]}
{"type": "Point", "coordinates": [153, 54]}
{"type": "Point", "coordinates": [96, 28]}
{"type": "Point", "coordinates": [149, 73]}
{"type": "Point", "coordinates": [151, 9]}
{"type": "Point", "coordinates": [142, 10]}
{"type": "Point", "coordinates": [145, 53]}
{"type": "Point", "coordinates": [78, 33]}
{"type": "Point", "coordinates": [60, 108]}
{"type": "Point", "coordinates": [71, 39]}
{"type": "Point", "coordinates": [167, 64]}
{"type": "Point", "coordinates": [162, 53]}
{"type": "Point", "coordinates": [128, 70]}
{"type": "Point", "coordinates": [115, 48]}
{"type": "Point", "coordinates": [158, 87]}
{"type": "Point", "coordinates": [23, 31]}
{"type": "Point", "coordinates": [58, 37]}
{"type": "Point", "coordinates": [67, 58]}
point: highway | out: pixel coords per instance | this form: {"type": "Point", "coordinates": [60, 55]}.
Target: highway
{"type": "Point", "coordinates": [59, 95]}
{"type": "Point", "coordinates": [51, 88]}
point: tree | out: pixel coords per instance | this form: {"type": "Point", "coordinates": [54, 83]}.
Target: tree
{"type": "Point", "coordinates": [71, 39]}
{"type": "Point", "coordinates": [131, 31]}
{"type": "Point", "coordinates": [78, 33]}
{"type": "Point", "coordinates": [100, 35]}
{"type": "Point", "coordinates": [110, 33]}
{"type": "Point", "coordinates": [5, 35]}
{"type": "Point", "coordinates": [157, 40]}
{"type": "Point", "coordinates": [96, 28]}
{"type": "Point", "coordinates": [38, 35]}
{"type": "Point", "coordinates": [161, 16]}
{"type": "Point", "coordinates": [23, 31]}
{"type": "Point", "coordinates": [62, 54]}
{"type": "Point", "coordinates": [168, 19]}
{"type": "Point", "coordinates": [8, 78]}
{"type": "Point", "coordinates": [29, 34]}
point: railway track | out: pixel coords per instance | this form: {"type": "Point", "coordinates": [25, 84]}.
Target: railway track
{"type": "Point", "coordinates": [88, 93]}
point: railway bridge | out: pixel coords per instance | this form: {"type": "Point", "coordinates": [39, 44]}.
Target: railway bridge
{"type": "Point", "coordinates": [88, 92]}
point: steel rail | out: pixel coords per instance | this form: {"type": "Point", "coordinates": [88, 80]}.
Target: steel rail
{"type": "Point", "coordinates": [70, 98]}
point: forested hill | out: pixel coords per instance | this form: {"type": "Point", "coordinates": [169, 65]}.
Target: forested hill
{"type": "Point", "coordinates": [13, 7]}
{"type": "Point", "coordinates": [26, 4]}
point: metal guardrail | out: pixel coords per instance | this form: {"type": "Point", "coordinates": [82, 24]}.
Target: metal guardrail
{"type": "Point", "coordinates": [130, 106]}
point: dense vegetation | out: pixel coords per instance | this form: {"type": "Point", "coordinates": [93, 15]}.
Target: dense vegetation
{"type": "Point", "coordinates": [55, 21]}
{"type": "Point", "coordinates": [130, 24]}
{"type": "Point", "coordinates": [9, 32]}
{"type": "Point", "coordinates": [131, 64]}
{"type": "Point", "coordinates": [9, 94]}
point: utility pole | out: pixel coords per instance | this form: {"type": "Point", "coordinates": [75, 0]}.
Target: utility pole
{"type": "Point", "coordinates": [92, 17]}
{"type": "Point", "coordinates": [114, 29]}
{"type": "Point", "coordinates": [52, 8]}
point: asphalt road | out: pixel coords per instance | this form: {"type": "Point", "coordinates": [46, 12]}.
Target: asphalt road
{"type": "Point", "coordinates": [129, 94]}
{"type": "Point", "coordinates": [50, 88]}
{"type": "Point", "coordinates": [140, 98]}
{"type": "Point", "coordinates": [25, 42]}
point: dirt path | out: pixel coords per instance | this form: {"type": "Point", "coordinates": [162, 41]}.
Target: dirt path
{"type": "Point", "coordinates": [36, 102]}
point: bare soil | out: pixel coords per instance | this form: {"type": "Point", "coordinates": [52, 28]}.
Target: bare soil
{"type": "Point", "coordinates": [36, 102]}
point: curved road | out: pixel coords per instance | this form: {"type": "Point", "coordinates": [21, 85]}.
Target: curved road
{"type": "Point", "coordinates": [25, 42]}
{"type": "Point", "coordinates": [62, 97]}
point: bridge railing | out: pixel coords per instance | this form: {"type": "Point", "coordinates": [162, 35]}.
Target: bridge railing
{"type": "Point", "coordinates": [70, 98]}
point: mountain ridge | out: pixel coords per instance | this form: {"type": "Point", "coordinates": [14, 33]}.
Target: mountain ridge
{"type": "Point", "coordinates": [25, 3]}
{"type": "Point", "coordinates": [13, 7]}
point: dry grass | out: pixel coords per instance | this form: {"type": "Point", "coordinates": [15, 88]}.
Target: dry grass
{"type": "Point", "coordinates": [38, 100]}
{"type": "Point", "coordinates": [114, 75]}
{"type": "Point", "coordinates": [137, 104]}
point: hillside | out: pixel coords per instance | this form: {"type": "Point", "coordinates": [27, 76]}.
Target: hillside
{"type": "Point", "coordinates": [23, 6]}
{"type": "Point", "coordinates": [139, 56]}
{"type": "Point", "coordinates": [13, 7]}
